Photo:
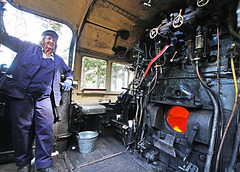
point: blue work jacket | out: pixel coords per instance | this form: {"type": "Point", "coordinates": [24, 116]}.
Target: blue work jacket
{"type": "Point", "coordinates": [28, 60]}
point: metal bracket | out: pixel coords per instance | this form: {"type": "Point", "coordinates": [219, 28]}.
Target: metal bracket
{"type": "Point", "coordinates": [189, 167]}
{"type": "Point", "coordinates": [166, 144]}
{"type": "Point", "coordinates": [193, 133]}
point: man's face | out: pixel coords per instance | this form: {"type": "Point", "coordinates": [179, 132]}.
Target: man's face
{"type": "Point", "coordinates": [49, 42]}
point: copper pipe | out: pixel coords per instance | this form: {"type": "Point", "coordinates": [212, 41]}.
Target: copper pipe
{"type": "Point", "coordinates": [233, 111]}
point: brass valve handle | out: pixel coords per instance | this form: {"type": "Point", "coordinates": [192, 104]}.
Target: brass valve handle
{"type": "Point", "coordinates": [153, 33]}
{"type": "Point", "coordinates": [178, 21]}
{"type": "Point", "coordinates": [201, 3]}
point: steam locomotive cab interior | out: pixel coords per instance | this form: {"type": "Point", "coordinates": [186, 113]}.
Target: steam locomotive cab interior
{"type": "Point", "coordinates": [176, 102]}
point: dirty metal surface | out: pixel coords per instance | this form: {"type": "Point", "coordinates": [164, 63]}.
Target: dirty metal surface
{"type": "Point", "coordinates": [58, 163]}
{"type": "Point", "coordinates": [109, 155]}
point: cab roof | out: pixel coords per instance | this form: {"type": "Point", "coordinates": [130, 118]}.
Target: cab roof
{"type": "Point", "coordinates": [97, 23]}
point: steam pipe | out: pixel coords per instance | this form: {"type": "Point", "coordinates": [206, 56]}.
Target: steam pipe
{"type": "Point", "coordinates": [141, 112]}
{"type": "Point", "coordinates": [232, 31]}
{"type": "Point", "coordinates": [214, 130]}
{"type": "Point", "coordinates": [153, 60]}
{"type": "Point", "coordinates": [136, 115]}
{"type": "Point", "coordinates": [235, 150]}
{"type": "Point", "coordinates": [231, 22]}
{"type": "Point", "coordinates": [155, 82]}
{"type": "Point", "coordinates": [146, 54]}
{"type": "Point", "coordinates": [218, 63]}
{"type": "Point", "coordinates": [233, 112]}
{"type": "Point", "coordinates": [215, 121]}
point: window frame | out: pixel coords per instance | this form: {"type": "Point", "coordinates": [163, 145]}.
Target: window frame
{"type": "Point", "coordinates": [108, 79]}
{"type": "Point", "coordinates": [128, 76]}
{"type": "Point", "coordinates": [87, 88]}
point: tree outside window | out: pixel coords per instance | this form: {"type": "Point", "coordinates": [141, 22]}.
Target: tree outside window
{"type": "Point", "coordinates": [29, 27]}
{"type": "Point", "coordinates": [119, 77]}
{"type": "Point", "coordinates": [93, 73]}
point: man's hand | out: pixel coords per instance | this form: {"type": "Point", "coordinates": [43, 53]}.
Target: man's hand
{"type": "Point", "coordinates": [67, 85]}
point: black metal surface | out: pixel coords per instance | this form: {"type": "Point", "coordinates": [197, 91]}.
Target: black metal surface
{"type": "Point", "coordinates": [203, 119]}
{"type": "Point", "coordinates": [173, 79]}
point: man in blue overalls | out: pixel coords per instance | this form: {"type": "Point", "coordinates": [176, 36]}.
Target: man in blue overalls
{"type": "Point", "coordinates": [32, 80]}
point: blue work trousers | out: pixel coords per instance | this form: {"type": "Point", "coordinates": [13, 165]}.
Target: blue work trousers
{"type": "Point", "coordinates": [31, 115]}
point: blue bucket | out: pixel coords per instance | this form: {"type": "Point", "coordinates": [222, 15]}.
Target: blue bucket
{"type": "Point", "coordinates": [86, 141]}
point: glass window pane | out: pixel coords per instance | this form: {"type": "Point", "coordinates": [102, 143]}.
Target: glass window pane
{"type": "Point", "coordinates": [119, 77]}
{"type": "Point", "coordinates": [93, 73]}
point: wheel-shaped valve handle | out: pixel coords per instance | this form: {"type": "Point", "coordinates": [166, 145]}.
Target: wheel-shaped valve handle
{"type": "Point", "coordinates": [178, 21]}
{"type": "Point", "coordinates": [153, 33]}
{"type": "Point", "coordinates": [201, 3]}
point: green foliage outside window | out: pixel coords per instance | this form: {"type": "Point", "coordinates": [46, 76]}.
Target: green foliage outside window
{"type": "Point", "coordinates": [93, 73]}
{"type": "Point", "coordinates": [119, 77]}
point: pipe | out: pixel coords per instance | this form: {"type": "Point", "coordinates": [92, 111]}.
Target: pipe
{"type": "Point", "coordinates": [6, 152]}
{"type": "Point", "coordinates": [153, 60]}
{"type": "Point", "coordinates": [141, 112]}
{"type": "Point", "coordinates": [232, 31]}
{"type": "Point", "coordinates": [235, 150]}
{"type": "Point", "coordinates": [218, 81]}
{"type": "Point", "coordinates": [146, 52]}
{"type": "Point", "coordinates": [215, 121]}
{"type": "Point", "coordinates": [232, 114]}
{"type": "Point", "coordinates": [155, 82]}
{"type": "Point", "coordinates": [218, 63]}
{"type": "Point", "coordinates": [136, 115]}
{"type": "Point", "coordinates": [213, 135]}
{"type": "Point", "coordinates": [231, 21]}
{"type": "Point", "coordinates": [236, 143]}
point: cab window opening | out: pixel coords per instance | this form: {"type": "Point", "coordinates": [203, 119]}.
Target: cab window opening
{"type": "Point", "coordinates": [119, 77]}
{"type": "Point", "coordinates": [27, 26]}
{"type": "Point", "coordinates": [93, 73]}
{"type": "Point", "coordinates": [103, 75]}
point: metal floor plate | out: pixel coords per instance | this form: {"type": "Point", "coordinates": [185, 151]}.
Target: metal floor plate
{"type": "Point", "coordinates": [109, 155]}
